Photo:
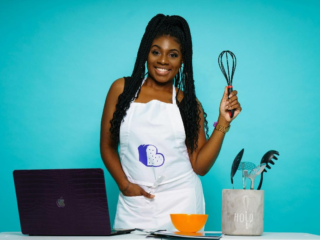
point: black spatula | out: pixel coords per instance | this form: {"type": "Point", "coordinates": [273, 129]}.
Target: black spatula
{"type": "Point", "coordinates": [235, 165]}
{"type": "Point", "coordinates": [267, 158]}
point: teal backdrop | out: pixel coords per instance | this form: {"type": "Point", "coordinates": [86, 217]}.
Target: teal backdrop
{"type": "Point", "coordinates": [59, 58]}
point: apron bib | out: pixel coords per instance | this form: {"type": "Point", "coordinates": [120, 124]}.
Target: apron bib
{"type": "Point", "coordinates": [153, 155]}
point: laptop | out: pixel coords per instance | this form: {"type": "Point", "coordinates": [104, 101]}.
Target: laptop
{"type": "Point", "coordinates": [63, 202]}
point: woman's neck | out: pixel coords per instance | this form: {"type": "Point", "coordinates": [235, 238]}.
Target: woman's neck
{"type": "Point", "coordinates": [158, 86]}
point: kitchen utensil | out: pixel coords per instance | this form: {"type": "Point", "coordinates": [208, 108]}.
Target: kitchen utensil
{"type": "Point", "coordinates": [255, 172]}
{"type": "Point", "coordinates": [267, 158]}
{"type": "Point", "coordinates": [244, 178]}
{"type": "Point", "coordinates": [245, 167]}
{"type": "Point", "coordinates": [230, 72]}
{"type": "Point", "coordinates": [189, 222]}
{"type": "Point", "coordinates": [235, 165]}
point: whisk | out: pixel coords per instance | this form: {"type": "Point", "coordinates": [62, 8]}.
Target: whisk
{"type": "Point", "coordinates": [227, 75]}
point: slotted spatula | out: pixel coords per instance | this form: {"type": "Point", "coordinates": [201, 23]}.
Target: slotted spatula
{"type": "Point", "coordinates": [267, 158]}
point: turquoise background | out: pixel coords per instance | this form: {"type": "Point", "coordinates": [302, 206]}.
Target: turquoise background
{"type": "Point", "coordinates": [59, 58]}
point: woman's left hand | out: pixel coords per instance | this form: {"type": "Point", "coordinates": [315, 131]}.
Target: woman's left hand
{"type": "Point", "coordinates": [228, 104]}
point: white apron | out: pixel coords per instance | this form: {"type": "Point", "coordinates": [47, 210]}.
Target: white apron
{"type": "Point", "coordinates": [153, 155]}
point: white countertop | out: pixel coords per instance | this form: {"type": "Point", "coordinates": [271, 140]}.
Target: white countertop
{"type": "Point", "coordinates": [139, 235]}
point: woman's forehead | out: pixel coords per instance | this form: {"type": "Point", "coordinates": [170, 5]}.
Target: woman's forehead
{"type": "Point", "coordinates": [166, 42]}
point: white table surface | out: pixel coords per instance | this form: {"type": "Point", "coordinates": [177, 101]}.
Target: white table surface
{"type": "Point", "coordinates": [139, 236]}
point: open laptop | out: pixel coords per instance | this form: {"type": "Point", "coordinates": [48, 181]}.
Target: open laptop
{"type": "Point", "coordinates": [63, 202]}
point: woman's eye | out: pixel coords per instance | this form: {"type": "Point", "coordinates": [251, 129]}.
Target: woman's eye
{"type": "Point", "coordinates": [154, 52]}
{"type": "Point", "coordinates": [174, 55]}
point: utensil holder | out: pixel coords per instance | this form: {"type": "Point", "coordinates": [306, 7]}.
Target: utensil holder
{"type": "Point", "coordinates": [242, 212]}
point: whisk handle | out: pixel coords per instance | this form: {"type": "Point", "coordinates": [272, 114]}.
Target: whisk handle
{"type": "Point", "coordinates": [231, 112]}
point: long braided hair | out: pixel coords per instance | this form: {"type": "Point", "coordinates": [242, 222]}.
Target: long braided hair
{"type": "Point", "coordinates": [178, 28]}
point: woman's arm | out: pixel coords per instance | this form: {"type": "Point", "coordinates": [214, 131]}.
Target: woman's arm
{"type": "Point", "coordinates": [109, 150]}
{"type": "Point", "coordinates": [207, 152]}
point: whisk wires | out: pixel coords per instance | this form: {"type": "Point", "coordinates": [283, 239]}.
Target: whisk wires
{"type": "Point", "coordinates": [227, 75]}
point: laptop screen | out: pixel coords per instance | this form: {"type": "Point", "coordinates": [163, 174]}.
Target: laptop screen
{"type": "Point", "coordinates": [62, 202]}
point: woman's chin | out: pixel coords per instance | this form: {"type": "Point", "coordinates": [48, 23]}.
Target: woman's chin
{"type": "Point", "coordinates": [161, 78]}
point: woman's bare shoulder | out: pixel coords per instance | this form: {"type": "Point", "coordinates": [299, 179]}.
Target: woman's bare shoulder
{"type": "Point", "coordinates": [117, 86]}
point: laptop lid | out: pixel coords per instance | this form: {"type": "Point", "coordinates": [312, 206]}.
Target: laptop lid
{"type": "Point", "coordinates": [62, 202]}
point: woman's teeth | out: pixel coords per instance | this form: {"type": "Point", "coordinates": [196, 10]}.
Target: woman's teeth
{"type": "Point", "coordinates": [162, 69]}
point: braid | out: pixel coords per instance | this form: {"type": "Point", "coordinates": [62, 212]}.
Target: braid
{"type": "Point", "coordinates": [178, 28]}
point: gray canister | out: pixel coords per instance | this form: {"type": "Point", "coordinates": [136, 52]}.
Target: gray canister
{"type": "Point", "coordinates": [242, 212]}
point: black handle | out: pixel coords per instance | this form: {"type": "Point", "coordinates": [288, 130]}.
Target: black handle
{"type": "Point", "coordinates": [231, 112]}
{"type": "Point", "coordinates": [261, 179]}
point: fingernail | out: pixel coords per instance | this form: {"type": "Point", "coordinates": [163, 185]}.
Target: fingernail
{"type": "Point", "coordinates": [230, 95]}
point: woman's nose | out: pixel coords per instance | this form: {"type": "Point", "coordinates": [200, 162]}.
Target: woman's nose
{"type": "Point", "coordinates": [163, 59]}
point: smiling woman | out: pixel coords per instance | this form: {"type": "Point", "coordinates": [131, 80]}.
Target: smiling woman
{"type": "Point", "coordinates": [160, 126]}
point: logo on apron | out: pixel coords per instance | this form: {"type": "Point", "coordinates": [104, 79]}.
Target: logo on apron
{"type": "Point", "coordinates": [149, 156]}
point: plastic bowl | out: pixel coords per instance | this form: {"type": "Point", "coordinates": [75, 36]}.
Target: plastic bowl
{"type": "Point", "coordinates": [189, 223]}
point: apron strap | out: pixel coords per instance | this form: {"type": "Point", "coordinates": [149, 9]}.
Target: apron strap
{"type": "Point", "coordinates": [140, 86]}
{"type": "Point", "coordinates": [173, 95]}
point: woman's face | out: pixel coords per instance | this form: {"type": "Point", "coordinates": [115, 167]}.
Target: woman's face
{"type": "Point", "coordinates": [164, 59]}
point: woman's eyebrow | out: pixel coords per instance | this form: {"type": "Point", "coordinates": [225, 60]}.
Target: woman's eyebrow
{"type": "Point", "coordinates": [156, 46]}
{"type": "Point", "coordinates": [174, 50]}
{"type": "Point", "coordinates": [169, 50]}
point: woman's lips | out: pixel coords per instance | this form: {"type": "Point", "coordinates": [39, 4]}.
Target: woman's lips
{"type": "Point", "coordinates": [162, 71]}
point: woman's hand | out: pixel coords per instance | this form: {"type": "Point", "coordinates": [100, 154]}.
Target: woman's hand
{"type": "Point", "coordinates": [227, 105]}
{"type": "Point", "coordinates": [135, 190]}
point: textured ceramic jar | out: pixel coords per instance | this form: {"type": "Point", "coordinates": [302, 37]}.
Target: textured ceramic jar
{"type": "Point", "coordinates": [242, 212]}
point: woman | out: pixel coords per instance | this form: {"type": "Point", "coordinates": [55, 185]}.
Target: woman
{"type": "Point", "coordinates": [160, 126]}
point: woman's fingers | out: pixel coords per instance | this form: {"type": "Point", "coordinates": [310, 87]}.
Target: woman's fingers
{"type": "Point", "coordinates": [233, 103]}
{"type": "Point", "coordinates": [234, 106]}
{"type": "Point", "coordinates": [147, 195]}
{"type": "Point", "coordinates": [135, 190]}
{"type": "Point", "coordinates": [132, 190]}
{"type": "Point", "coordinates": [233, 93]}
{"type": "Point", "coordinates": [233, 96]}
{"type": "Point", "coordinates": [230, 103]}
{"type": "Point", "coordinates": [225, 94]}
{"type": "Point", "coordinates": [232, 99]}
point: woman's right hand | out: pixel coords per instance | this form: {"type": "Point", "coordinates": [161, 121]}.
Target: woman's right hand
{"type": "Point", "coordinates": [135, 190]}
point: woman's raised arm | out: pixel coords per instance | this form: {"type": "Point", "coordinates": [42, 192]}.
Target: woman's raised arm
{"type": "Point", "coordinates": [207, 153]}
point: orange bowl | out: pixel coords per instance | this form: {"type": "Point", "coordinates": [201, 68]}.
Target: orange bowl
{"type": "Point", "coordinates": [189, 223]}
